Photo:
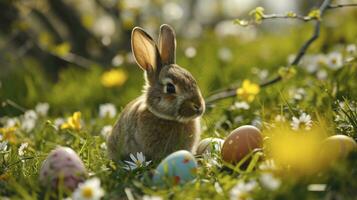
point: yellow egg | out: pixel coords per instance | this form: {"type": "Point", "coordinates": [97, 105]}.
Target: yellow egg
{"type": "Point", "coordinates": [337, 147]}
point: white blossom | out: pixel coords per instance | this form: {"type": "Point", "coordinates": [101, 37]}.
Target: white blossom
{"type": "Point", "coordinates": [106, 130]}
{"type": "Point", "coordinates": [225, 54]}
{"type": "Point", "coordinates": [304, 120]}
{"type": "Point", "coordinates": [137, 162]}
{"type": "Point", "coordinates": [241, 105]}
{"type": "Point", "coordinates": [22, 149]}
{"type": "Point", "coordinates": [241, 190]}
{"type": "Point", "coordinates": [351, 49]}
{"type": "Point", "coordinates": [335, 60]}
{"type": "Point", "coordinates": [11, 122]}
{"type": "Point", "coordinates": [42, 108]}
{"type": "Point", "coordinates": [29, 119]}
{"type": "Point", "coordinates": [190, 52]}
{"type": "Point", "coordinates": [269, 181]}
{"type": "Point", "coordinates": [89, 190]}
{"type": "Point", "coordinates": [107, 110]}
{"type": "Point", "coordinates": [146, 197]}
{"type": "Point", "coordinates": [58, 122]}
{"type": "Point", "coordinates": [321, 74]}
{"type": "Point", "coordinates": [3, 146]}
{"type": "Point", "coordinates": [172, 11]}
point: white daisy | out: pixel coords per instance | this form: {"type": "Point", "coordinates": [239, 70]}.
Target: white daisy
{"type": "Point", "coordinates": [29, 119]}
{"type": "Point", "coordinates": [190, 52]}
{"type": "Point", "coordinates": [22, 148]}
{"type": "Point", "coordinates": [106, 130]}
{"type": "Point", "coordinates": [241, 190]}
{"type": "Point", "coordinates": [118, 60]}
{"type": "Point", "coordinates": [241, 105]}
{"type": "Point", "coordinates": [269, 181]}
{"type": "Point", "coordinates": [30, 114]}
{"type": "Point", "coordinates": [225, 54]}
{"type": "Point", "coordinates": [11, 122]}
{"type": "Point", "coordinates": [304, 120]}
{"type": "Point", "coordinates": [58, 122]}
{"type": "Point", "coordinates": [89, 190]}
{"type": "Point", "coordinates": [335, 60]}
{"type": "Point", "coordinates": [42, 108]}
{"type": "Point", "coordinates": [321, 74]}
{"type": "Point", "coordinates": [107, 110]}
{"type": "Point", "coordinates": [146, 197]}
{"type": "Point", "coordinates": [3, 146]}
{"type": "Point", "coordinates": [137, 162]}
{"type": "Point", "coordinates": [351, 49]}
{"type": "Point", "coordinates": [299, 94]}
{"type": "Point", "coordinates": [28, 124]}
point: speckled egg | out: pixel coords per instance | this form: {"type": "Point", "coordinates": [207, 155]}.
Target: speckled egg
{"type": "Point", "coordinates": [240, 142]}
{"type": "Point", "coordinates": [336, 147]}
{"type": "Point", "coordinates": [177, 168]}
{"type": "Point", "coordinates": [208, 144]}
{"type": "Point", "coordinates": [62, 164]}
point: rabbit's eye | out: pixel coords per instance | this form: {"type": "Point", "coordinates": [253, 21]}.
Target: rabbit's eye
{"type": "Point", "coordinates": [170, 88]}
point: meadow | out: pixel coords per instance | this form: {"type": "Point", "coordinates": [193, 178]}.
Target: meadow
{"type": "Point", "coordinates": [77, 106]}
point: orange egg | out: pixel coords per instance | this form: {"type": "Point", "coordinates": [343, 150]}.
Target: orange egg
{"type": "Point", "coordinates": [240, 143]}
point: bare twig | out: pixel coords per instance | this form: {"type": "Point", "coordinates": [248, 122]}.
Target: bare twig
{"type": "Point", "coordinates": [332, 6]}
{"type": "Point", "coordinates": [281, 16]}
{"type": "Point", "coordinates": [232, 92]}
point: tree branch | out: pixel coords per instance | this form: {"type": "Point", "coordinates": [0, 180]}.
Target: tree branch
{"type": "Point", "coordinates": [333, 6]}
{"type": "Point", "coordinates": [232, 92]}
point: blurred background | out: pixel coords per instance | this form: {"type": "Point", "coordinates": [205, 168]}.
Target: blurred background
{"type": "Point", "coordinates": [75, 54]}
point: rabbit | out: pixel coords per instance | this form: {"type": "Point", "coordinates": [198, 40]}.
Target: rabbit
{"type": "Point", "coordinates": [166, 117]}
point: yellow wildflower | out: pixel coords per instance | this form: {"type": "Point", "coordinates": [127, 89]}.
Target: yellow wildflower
{"type": "Point", "coordinates": [114, 77]}
{"type": "Point", "coordinates": [9, 134]}
{"type": "Point", "coordinates": [248, 91]}
{"type": "Point", "coordinates": [73, 122]}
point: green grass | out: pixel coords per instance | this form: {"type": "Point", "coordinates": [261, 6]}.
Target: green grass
{"type": "Point", "coordinates": [80, 90]}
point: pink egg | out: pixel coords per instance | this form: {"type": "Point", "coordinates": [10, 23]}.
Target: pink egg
{"type": "Point", "coordinates": [62, 165]}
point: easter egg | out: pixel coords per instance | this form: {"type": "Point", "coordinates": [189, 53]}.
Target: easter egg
{"type": "Point", "coordinates": [177, 168]}
{"type": "Point", "coordinates": [207, 144]}
{"type": "Point", "coordinates": [336, 147]}
{"type": "Point", "coordinates": [62, 165]}
{"type": "Point", "coordinates": [240, 142]}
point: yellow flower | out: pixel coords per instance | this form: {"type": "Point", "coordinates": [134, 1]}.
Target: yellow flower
{"type": "Point", "coordinates": [73, 122]}
{"type": "Point", "coordinates": [248, 91]}
{"type": "Point", "coordinates": [9, 134]}
{"type": "Point", "coordinates": [114, 77]}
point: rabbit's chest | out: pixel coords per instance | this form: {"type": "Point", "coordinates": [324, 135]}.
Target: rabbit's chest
{"type": "Point", "coordinates": [162, 137]}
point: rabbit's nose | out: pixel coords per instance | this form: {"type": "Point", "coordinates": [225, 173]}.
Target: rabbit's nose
{"type": "Point", "coordinates": [197, 108]}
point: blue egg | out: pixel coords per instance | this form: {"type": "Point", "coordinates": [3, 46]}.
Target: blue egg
{"type": "Point", "coordinates": [177, 168]}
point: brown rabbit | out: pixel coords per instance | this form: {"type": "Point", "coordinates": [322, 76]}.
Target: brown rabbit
{"type": "Point", "coordinates": [166, 117]}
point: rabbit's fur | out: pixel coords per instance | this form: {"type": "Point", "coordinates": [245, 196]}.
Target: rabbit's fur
{"type": "Point", "coordinates": [166, 117]}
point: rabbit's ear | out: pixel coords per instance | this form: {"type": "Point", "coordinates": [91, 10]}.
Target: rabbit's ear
{"type": "Point", "coordinates": [167, 45]}
{"type": "Point", "coordinates": [145, 50]}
